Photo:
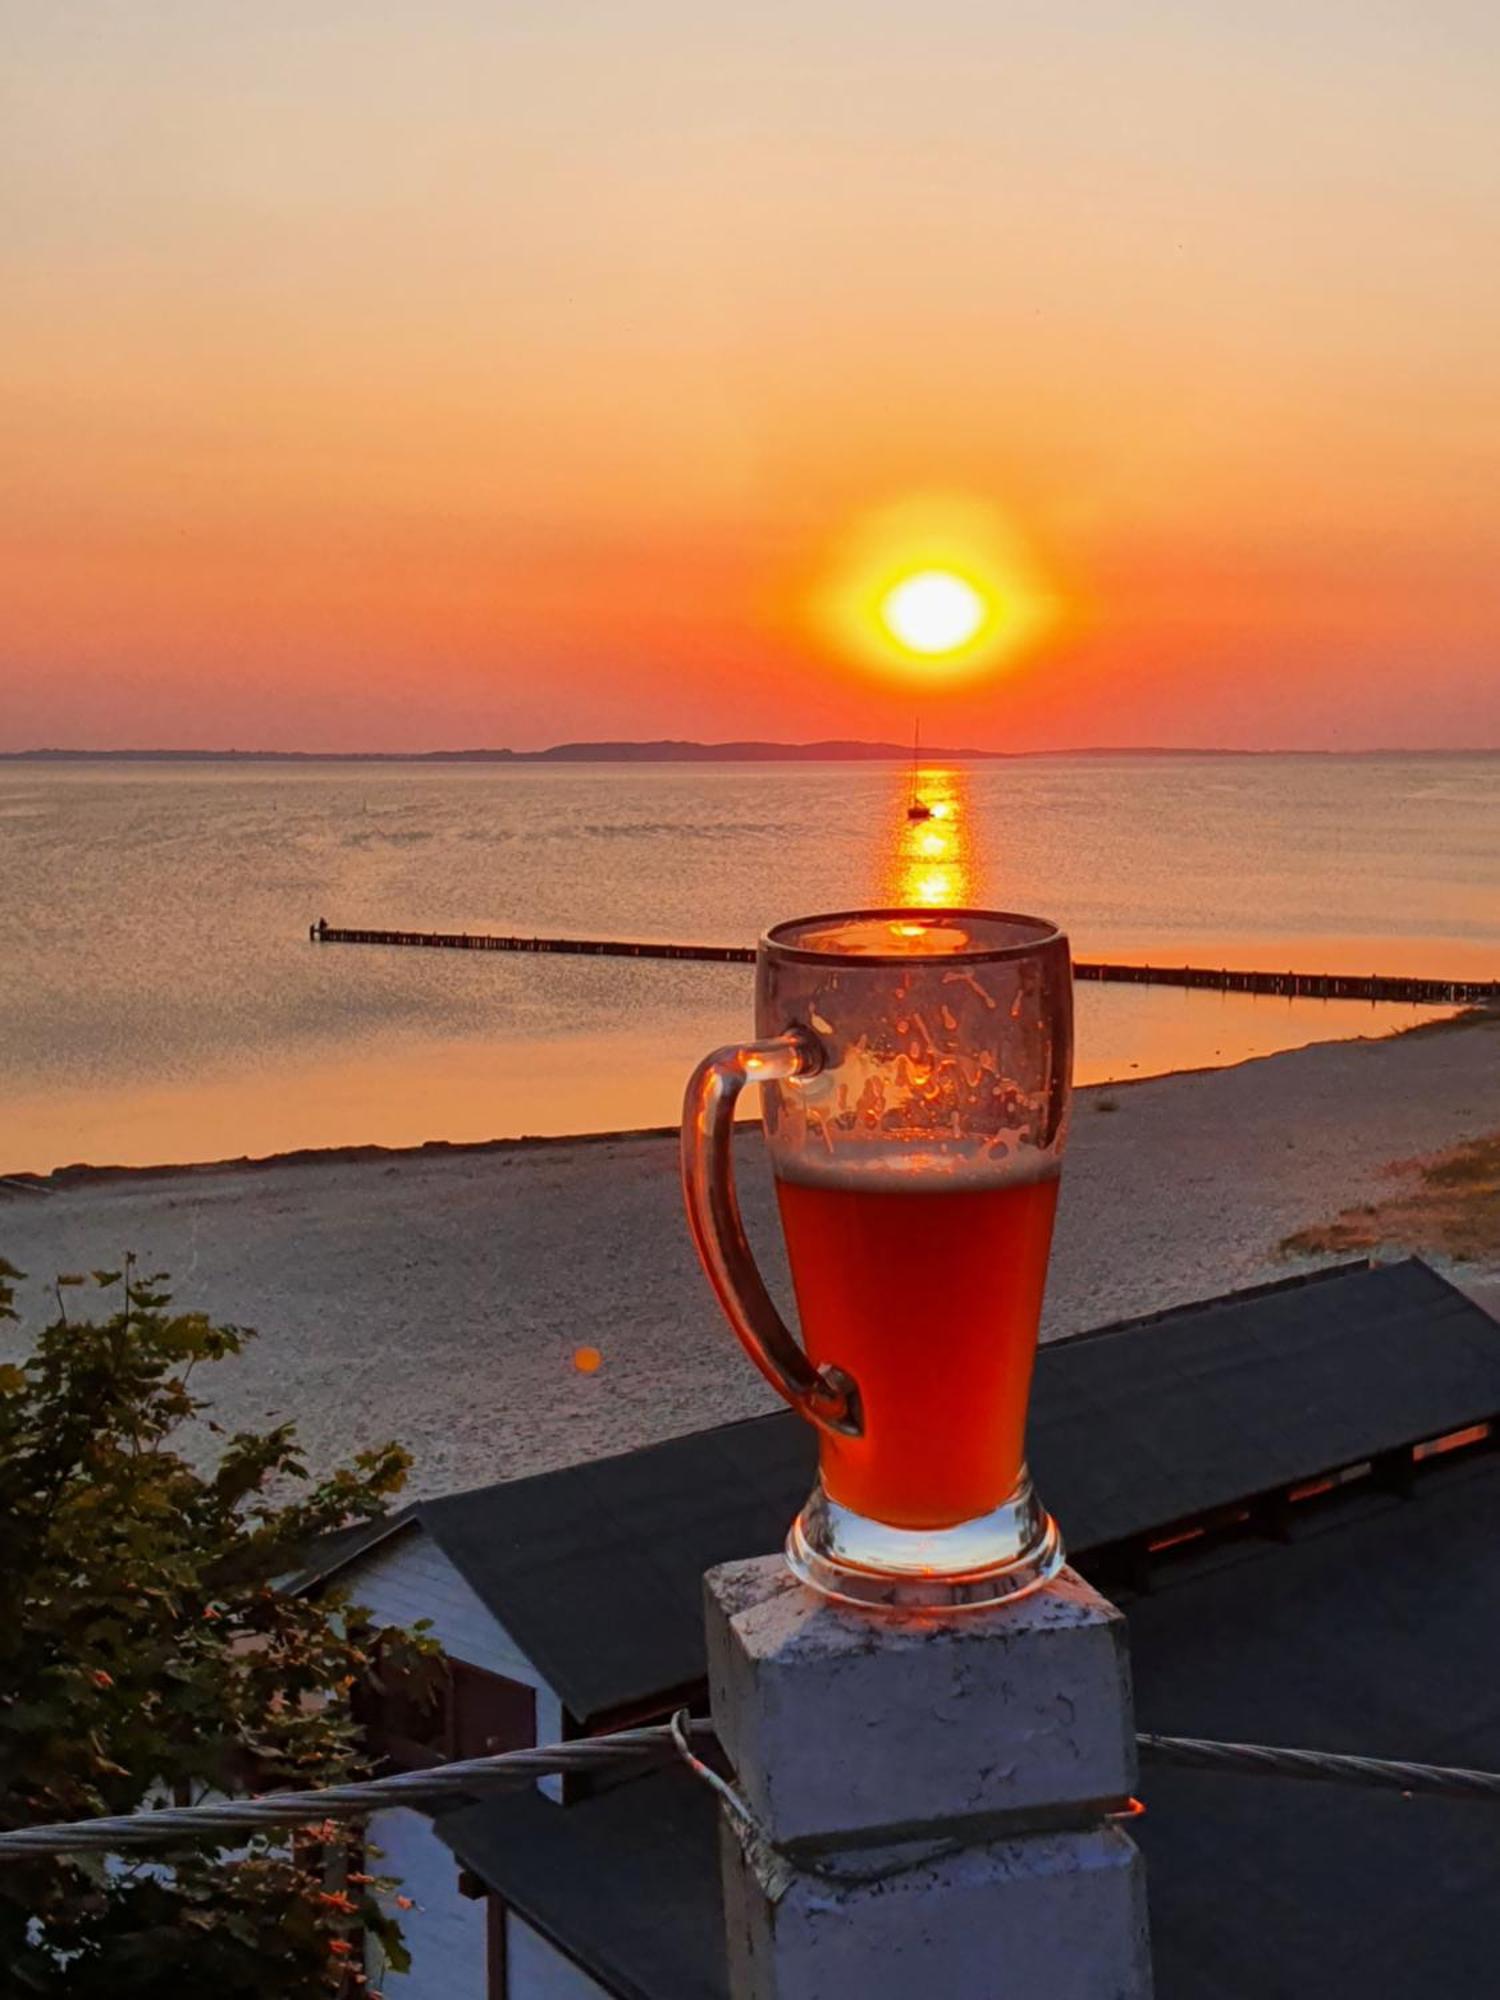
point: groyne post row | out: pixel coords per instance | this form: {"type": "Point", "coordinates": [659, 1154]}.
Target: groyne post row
{"type": "Point", "coordinates": [1286, 985]}
{"type": "Point", "coordinates": [1300, 985]}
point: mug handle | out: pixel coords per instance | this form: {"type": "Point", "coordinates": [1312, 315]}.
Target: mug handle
{"type": "Point", "coordinates": [825, 1396]}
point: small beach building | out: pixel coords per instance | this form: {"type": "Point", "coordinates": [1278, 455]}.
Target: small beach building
{"type": "Point", "coordinates": [1294, 1492]}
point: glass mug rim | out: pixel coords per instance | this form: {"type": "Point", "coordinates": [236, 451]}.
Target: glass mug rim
{"type": "Point", "coordinates": [1037, 934]}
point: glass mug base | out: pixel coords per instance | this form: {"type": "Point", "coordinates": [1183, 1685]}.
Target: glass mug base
{"type": "Point", "coordinates": [992, 1559]}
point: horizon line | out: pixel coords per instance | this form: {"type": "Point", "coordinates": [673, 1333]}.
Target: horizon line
{"type": "Point", "coordinates": [689, 749]}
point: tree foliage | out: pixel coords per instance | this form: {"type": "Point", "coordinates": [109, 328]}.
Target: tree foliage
{"type": "Point", "coordinates": [148, 1656]}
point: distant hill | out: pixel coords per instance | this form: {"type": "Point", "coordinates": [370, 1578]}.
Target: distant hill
{"type": "Point", "coordinates": [671, 750]}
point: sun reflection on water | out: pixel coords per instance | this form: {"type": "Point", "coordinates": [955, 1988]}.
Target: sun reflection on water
{"type": "Point", "coordinates": [929, 860]}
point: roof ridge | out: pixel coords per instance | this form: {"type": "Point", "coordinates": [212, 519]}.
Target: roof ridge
{"type": "Point", "coordinates": [1264, 1289]}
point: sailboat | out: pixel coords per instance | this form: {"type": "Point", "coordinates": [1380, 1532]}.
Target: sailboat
{"type": "Point", "coordinates": [917, 808]}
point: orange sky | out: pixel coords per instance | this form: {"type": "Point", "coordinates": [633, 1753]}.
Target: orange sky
{"type": "Point", "coordinates": [392, 376]}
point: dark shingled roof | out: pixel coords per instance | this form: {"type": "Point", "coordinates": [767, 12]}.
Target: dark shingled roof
{"type": "Point", "coordinates": [1375, 1629]}
{"type": "Point", "coordinates": [1132, 1430]}
{"type": "Point", "coordinates": [626, 1883]}
{"type": "Point", "coordinates": [595, 1571]}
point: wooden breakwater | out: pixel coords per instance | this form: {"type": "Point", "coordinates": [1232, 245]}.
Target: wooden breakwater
{"type": "Point", "coordinates": [1301, 985]}
{"type": "Point", "coordinates": [718, 954]}
{"type": "Point", "coordinates": [1284, 985]}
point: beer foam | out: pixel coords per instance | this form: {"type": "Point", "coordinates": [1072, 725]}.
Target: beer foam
{"type": "Point", "coordinates": [964, 1166]}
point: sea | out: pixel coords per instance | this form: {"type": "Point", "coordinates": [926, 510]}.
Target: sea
{"type": "Point", "coordinates": [160, 1000]}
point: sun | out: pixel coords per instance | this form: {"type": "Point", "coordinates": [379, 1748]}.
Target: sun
{"type": "Point", "coordinates": [939, 588]}
{"type": "Point", "coordinates": [933, 611]}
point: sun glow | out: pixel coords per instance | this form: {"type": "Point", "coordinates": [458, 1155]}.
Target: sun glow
{"type": "Point", "coordinates": [935, 587]}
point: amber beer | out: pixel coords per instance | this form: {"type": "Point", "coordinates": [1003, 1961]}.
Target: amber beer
{"type": "Point", "coordinates": [930, 1297]}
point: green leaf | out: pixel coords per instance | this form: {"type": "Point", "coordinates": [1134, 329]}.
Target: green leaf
{"type": "Point", "coordinates": [117, 1687]}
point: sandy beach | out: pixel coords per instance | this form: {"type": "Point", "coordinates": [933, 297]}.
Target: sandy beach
{"type": "Point", "coordinates": [439, 1297]}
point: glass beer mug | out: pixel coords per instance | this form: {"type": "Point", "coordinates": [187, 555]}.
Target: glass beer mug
{"type": "Point", "coordinates": [915, 1069]}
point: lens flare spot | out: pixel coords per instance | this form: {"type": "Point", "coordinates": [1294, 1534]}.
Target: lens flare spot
{"type": "Point", "coordinates": [587, 1360]}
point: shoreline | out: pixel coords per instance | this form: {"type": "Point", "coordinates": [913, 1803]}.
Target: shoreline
{"type": "Point", "coordinates": [440, 1294]}
{"type": "Point", "coordinates": [85, 1173]}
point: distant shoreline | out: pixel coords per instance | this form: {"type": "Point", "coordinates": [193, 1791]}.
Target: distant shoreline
{"type": "Point", "coordinates": [674, 751]}
{"type": "Point", "coordinates": [85, 1173]}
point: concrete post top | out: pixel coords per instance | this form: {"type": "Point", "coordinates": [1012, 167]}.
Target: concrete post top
{"type": "Point", "coordinates": [777, 1615]}
{"type": "Point", "coordinates": [843, 1723]}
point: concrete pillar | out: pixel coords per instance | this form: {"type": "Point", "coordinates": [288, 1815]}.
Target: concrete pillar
{"type": "Point", "coordinates": [929, 1796]}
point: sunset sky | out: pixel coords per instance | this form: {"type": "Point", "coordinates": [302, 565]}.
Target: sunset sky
{"type": "Point", "coordinates": [395, 376]}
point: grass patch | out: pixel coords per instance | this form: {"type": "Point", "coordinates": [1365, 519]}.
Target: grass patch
{"type": "Point", "coordinates": [1486, 1016]}
{"type": "Point", "coordinates": [1450, 1204]}
{"type": "Point", "coordinates": [1476, 1165]}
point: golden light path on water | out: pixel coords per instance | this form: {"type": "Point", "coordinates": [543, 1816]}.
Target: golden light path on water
{"type": "Point", "coordinates": [930, 860]}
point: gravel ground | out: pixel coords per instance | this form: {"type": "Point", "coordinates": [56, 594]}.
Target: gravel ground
{"type": "Point", "coordinates": [439, 1297]}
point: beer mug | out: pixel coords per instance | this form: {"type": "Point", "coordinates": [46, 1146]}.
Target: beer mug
{"type": "Point", "coordinates": [915, 1072]}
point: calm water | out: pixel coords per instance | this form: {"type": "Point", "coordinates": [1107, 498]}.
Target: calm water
{"type": "Point", "coordinates": [160, 999]}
